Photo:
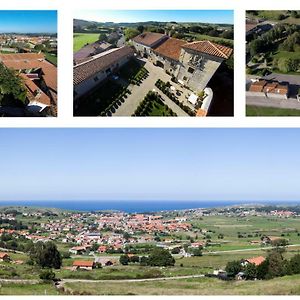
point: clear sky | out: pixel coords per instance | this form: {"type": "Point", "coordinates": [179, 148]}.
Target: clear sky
{"type": "Point", "coordinates": [28, 21]}
{"type": "Point", "coordinates": [203, 16]}
{"type": "Point", "coordinates": [174, 164]}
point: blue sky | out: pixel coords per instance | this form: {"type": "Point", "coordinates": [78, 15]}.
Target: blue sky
{"type": "Point", "coordinates": [172, 164]}
{"type": "Point", "coordinates": [28, 21]}
{"type": "Point", "coordinates": [210, 16]}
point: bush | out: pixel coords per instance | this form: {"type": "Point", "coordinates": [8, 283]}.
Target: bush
{"type": "Point", "coordinates": [47, 275]}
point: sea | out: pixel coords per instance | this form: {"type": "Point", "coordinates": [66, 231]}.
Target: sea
{"type": "Point", "coordinates": [133, 206]}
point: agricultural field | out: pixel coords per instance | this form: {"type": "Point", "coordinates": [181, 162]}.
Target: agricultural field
{"type": "Point", "coordinates": [81, 39]}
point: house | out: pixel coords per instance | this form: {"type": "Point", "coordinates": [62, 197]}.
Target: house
{"type": "Point", "coordinates": [79, 250]}
{"type": "Point", "coordinates": [40, 78]}
{"type": "Point", "coordinates": [268, 89]}
{"type": "Point", "coordinates": [192, 64]}
{"type": "Point", "coordinates": [88, 74]}
{"type": "Point", "coordinates": [90, 50]}
{"type": "Point", "coordinates": [145, 42]}
{"type": "Point", "coordinates": [254, 260]}
{"type": "Point", "coordinates": [4, 257]}
{"type": "Point", "coordinates": [83, 265]}
{"type": "Point", "coordinates": [102, 249]}
{"type": "Point", "coordinates": [105, 262]}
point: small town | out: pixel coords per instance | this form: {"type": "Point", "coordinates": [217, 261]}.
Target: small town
{"type": "Point", "coordinates": [226, 244]}
{"type": "Point", "coordinates": [152, 69]}
{"type": "Point", "coordinates": [28, 74]}
{"type": "Point", "coordinates": [273, 63]}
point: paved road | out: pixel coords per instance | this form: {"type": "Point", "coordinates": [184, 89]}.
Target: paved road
{"type": "Point", "coordinates": [246, 250]}
{"type": "Point", "coordinates": [139, 92]}
{"type": "Point", "coordinates": [290, 103]}
{"type": "Point", "coordinates": [22, 281]}
{"type": "Point", "coordinates": [132, 280]}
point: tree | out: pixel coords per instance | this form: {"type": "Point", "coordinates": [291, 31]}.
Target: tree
{"type": "Point", "coordinates": [276, 264]}
{"type": "Point", "coordinates": [131, 33]}
{"type": "Point", "coordinates": [124, 260]}
{"type": "Point", "coordinates": [144, 261]}
{"type": "Point", "coordinates": [134, 259]}
{"type": "Point", "coordinates": [12, 89]}
{"type": "Point", "coordinates": [262, 270]}
{"type": "Point", "coordinates": [102, 37]}
{"type": "Point", "coordinates": [233, 267]}
{"type": "Point", "coordinates": [161, 258]}
{"type": "Point", "coordinates": [141, 28]}
{"type": "Point", "coordinates": [250, 271]}
{"type": "Point", "coordinates": [197, 251]}
{"type": "Point", "coordinates": [175, 250]}
{"type": "Point", "coordinates": [47, 275]}
{"type": "Point", "coordinates": [294, 264]}
{"type": "Point", "coordinates": [46, 255]}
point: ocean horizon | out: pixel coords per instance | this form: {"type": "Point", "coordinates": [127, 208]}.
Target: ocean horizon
{"type": "Point", "coordinates": [135, 206]}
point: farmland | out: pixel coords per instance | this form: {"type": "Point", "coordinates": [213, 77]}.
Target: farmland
{"type": "Point", "coordinates": [81, 39]}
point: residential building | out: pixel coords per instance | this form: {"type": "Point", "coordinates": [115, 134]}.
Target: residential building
{"type": "Point", "coordinates": [90, 73]}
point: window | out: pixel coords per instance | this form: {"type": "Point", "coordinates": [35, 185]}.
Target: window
{"type": "Point", "coordinates": [184, 78]}
{"type": "Point", "coordinates": [191, 70]}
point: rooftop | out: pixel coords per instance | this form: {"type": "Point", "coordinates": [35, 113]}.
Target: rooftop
{"type": "Point", "coordinates": [99, 63]}
{"type": "Point", "coordinates": [149, 38]}
{"type": "Point", "coordinates": [210, 48]}
{"type": "Point", "coordinates": [171, 48]}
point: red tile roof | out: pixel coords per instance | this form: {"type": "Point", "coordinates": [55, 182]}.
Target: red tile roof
{"type": "Point", "coordinates": [148, 38]}
{"type": "Point", "coordinates": [99, 63]}
{"type": "Point", "coordinates": [82, 263]}
{"type": "Point", "coordinates": [171, 48]}
{"type": "Point", "coordinates": [3, 255]}
{"type": "Point", "coordinates": [210, 48]}
{"type": "Point", "coordinates": [256, 260]}
{"type": "Point", "coordinates": [34, 92]}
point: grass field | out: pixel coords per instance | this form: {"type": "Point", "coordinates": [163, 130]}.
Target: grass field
{"type": "Point", "coordinates": [270, 111]}
{"type": "Point", "coordinates": [28, 289]}
{"type": "Point", "coordinates": [51, 58]}
{"type": "Point", "coordinates": [288, 285]}
{"type": "Point", "coordinates": [81, 39]}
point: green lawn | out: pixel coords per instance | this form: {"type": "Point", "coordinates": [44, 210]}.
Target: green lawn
{"type": "Point", "coordinates": [81, 39]}
{"type": "Point", "coordinates": [255, 111]}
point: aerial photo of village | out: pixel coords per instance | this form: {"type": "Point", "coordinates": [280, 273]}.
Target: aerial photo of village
{"type": "Point", "coordinates": [153, 63]}
{"type": "Point", "coordinates": [184, 231]}
{"type": "Point", "coordinates": [28, 63]}
{"type": "Point", "coordinates": [273, 63]}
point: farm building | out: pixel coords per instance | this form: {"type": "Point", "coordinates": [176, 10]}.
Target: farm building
{"type": "Point", "coordinates": [83, 265]}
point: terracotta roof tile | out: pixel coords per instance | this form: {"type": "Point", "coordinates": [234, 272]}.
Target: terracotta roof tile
{"type": "Point", "coordinates": [210, 48]}
{"type": "Point", "coordinates": [148, 38]}
{"type": "Point", "coordinates": [171, 48]}
{"type": "Point", "coordinates": [99, 63]}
